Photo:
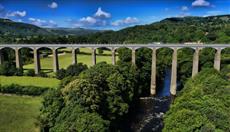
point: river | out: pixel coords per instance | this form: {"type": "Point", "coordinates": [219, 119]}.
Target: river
{"type": "Point", "coordinates": [149, 116]}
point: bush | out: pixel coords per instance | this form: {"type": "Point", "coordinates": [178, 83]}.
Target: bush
{"type": "Point", "coordinates": [7, 69]}
{"type": "Point", "coordinates": [18, 72]}
{"type": "Point", "coordinates": [42, 74]}
{"type": "Point", "coordinates": [30, 72]}
{"type": "Point", "coordinates": [76, 69]}
{"type": "Point", "coordinates": [60, 74]}
{"type": "Point", "coordinates": [23, 90]}
{"type": "Point", "coordinates": [72, 70]}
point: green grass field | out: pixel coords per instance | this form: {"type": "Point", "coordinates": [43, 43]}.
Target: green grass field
{"type": "Point", "coordinates": [66, 59]}
{"type": "Point", "coordinates": [19, 113]}
{"type": "Point", "coordinates": [29, 81]}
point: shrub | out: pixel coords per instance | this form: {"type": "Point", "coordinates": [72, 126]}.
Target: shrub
{"type": "Point", "coordinates": [30, 72]}
{"type": "Point", "coordinates": [7, 69]}
{"type": "Point", "coordinates": [76, 69]}
{"type": "Point", "coordinates": [18, 72]}
{"type": "Point", "coordinates": [42, 74]}
{"type": "Point", "coordinates": [60, 74]}
{"type": "Point", "coordinates": [23, 90]}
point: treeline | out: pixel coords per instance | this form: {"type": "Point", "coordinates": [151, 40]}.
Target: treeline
{"type": "Point", "coordinates": [203, 105]}
{"type": "Point", "coordinates": [213, 29]}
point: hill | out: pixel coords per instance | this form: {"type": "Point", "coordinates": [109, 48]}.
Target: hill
{"type": "Point", "coordinates": [9, 27]}
{"type": "Point", "coordinates": [212, 29]}
{"type": "Point", "coordinates": [73, 31]}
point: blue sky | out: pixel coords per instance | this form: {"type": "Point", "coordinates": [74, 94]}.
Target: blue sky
{"type": "Point", "coordinates": [106, 14]}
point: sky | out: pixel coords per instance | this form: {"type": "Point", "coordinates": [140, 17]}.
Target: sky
{"type": "Point", "coordinates": [106, 14]}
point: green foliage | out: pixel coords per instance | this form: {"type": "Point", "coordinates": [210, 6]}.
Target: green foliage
{"type": "Point", "coordinates": [23, 90]}
{"type": "Point", "coordinates": [30, 72]}
{"type": "Point", "coordinates": [203, 105]}
{"type": "Point", "coordinates": [60, 74]}
{"type": "Point", "coordinates": [76, 69]}
{"type": "Point", "coordinates": [72, 70]}
{"type": "Point", "coordinates": [96, 101]}
{"type": "Point", "coordinates": [7, 69]}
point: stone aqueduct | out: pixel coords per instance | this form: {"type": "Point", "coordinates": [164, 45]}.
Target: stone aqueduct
{"type": "Point", "coordinates": [113, 47]}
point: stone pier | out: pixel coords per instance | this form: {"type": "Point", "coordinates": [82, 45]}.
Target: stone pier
{"type": "Point", "coordinates": [173, 84]}
{"type": "Point", "coordinates": [55, 60]}
{"type": "Point", "coordinates": [74, 56]}
{"type": "Point", "coordinates": [37, 65]}
{"type": "Point", "coordinates": [17, 58]}
{"type": "Point", "coordinates": [153, 73]}
{"type": "Point", "coordinates": [113, 56]}
{"type": "Point", "coordinates": [195, 67]}
{"type": "Point", "coordinates": [93, 56]}
{"type": "Point", "coordinates": [217, 59]}
{"type": "Point", "coordinates": [133, 56]}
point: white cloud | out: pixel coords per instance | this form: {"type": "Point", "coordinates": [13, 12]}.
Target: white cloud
{"type": "Point", "coordinates": [126, 21]}
{"type": "Point", "coordinates": [102, 14]}
{"type": "Point", "coordinates": [184, 8]}
{"type": "Point", "coordinates": [16, 14]}
{"type": "Point", "coordinates": [200, 3]}
{"type": "Point", "coordinates": [88, 19]}
{"type": "Point", "coordinates": [42, 23]}
{"type": "Point", "coordinates": [53, 5]}
{"type": "Point", "coordinates": [100, 18]}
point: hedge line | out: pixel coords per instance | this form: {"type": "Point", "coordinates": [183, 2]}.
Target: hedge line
{"type": "Point", "coordinates": [23, 90]}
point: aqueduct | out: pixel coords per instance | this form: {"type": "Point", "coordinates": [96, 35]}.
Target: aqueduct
{"type": "Point", "coordinates": [113, 47]}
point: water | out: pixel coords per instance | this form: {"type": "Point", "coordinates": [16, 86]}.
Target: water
{"type": "Point", "coordinates": [149, 116]}
{"type": "Point", "coordinates": [165, 90]}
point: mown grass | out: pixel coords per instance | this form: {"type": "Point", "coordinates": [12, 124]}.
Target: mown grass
{"type": "Point", "coordinates": [65, 59]}
{"type": "Point", "coordinates": [19, 113]}
{"type": "Point", "coordinates": [29, 81]}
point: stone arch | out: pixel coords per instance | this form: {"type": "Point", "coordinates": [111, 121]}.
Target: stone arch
{"type": "Point", "coordinates": [207, 57]}
{"type": "Point", "coordinates": [225, 58]}
{"type": "Point", "coordinates": [26, 57]}
{"type": "Point", "coordinates": [7, 54]}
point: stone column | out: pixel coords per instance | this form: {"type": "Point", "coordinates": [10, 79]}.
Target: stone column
{"type": "Point", "coordinates": [133, 56]}
{"type": "Point", "coordinates": [37, 65]}
{"type": "Point", "coordinates": [217, 60]}
{"type": "Point", "coordinates": [74, 56]}
{"type": "Point", "coordinates": [113, 56]}
{"type": "Point", "coordinates": [1, 58]}
{"type": "Point", "coordinates": [195, 67]}
{"type": "Point", "coordinates": [93, 56]}
{"type": "Point", "coordinates": [17, 57]}
{"type": "Point", "coordinates": [153, 73]}
{"type": "Point", "coordinates": [174, 73]}
{"type": "Point", "coordinates": [55, 60]}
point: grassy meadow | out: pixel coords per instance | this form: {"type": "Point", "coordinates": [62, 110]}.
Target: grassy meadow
{"type": "Point", "coordinates": [29, 81]}
{"type": "Point", "coordinates": [19, 113]}
{"type": "Point", "coordinates": [65, 59]}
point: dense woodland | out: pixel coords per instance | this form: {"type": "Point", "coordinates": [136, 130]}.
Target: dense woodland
{"type": "Point", "coordinates": [100, 98]}
{"type": "Point", "coordinates": [203, 105]}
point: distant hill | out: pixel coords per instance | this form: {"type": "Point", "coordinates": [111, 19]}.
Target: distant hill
{"type": "Point", "coordinates": [73, 31]}
{"type": "Point", "coordinates": [8, 27]}
{"type": "Point", "coordinates": [212, 29]}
